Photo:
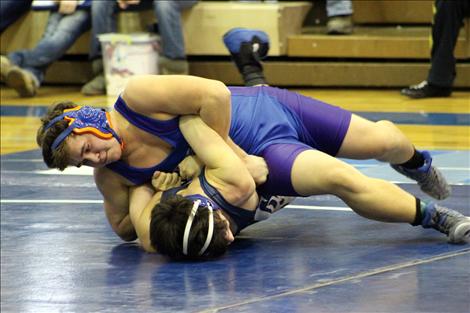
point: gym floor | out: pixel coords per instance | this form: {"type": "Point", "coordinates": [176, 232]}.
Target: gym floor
{"type": "Point", "coordinates": [58, 253]}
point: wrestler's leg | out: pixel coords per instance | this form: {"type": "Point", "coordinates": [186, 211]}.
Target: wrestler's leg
{"type": "Point", "coordinates": [383, 141]}
{"type": "Point", "coordinates": [380, 140]}
{"type": "Point", "coordinates": [315, 172]}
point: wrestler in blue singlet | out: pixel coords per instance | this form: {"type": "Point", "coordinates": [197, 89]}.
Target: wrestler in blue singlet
{"type": "Point", "coordinates": [241, 217]}
{"type": "Point", "coordinates": [273, 123]}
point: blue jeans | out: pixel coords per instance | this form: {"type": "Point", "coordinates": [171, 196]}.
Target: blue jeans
{"type": "Point", "coordinates": [338, 7]}
{"type": "Point", "coordinates": [61, 32]}
{"type": "Point", "coordinates": [168, 13]}
{"type": "Point", "coordinates": [11, 10]}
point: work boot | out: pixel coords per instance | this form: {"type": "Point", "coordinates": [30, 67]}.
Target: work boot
{"type": "Point", "coordinates": [5, 67]}
{"type": "Point", "coordinates": [96, 86]}
{"type": "Point", "coordinates": [340, 25]}
{"type": "Point", "coordinates": [452, 223]}
{"type": "Point", "coordinates": [23, 81]}
{"type": "Point", "coordinates": [169, 66]}
{"type": "Point", "coordinates": [426, 90]}
{"type": "Point", "coordinates": [429, 178]}
{"type": "Point", "coordinates": [247, 48]}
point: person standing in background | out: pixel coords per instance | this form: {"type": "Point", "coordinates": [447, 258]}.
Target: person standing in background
{"type": "Point", "coordinates": [448, 19]}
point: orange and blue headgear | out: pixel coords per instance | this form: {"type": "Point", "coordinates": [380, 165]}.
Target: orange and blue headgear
{"type": "Point", "coordinates": [84, 120]}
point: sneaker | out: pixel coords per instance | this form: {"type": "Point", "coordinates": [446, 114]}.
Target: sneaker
{"type": "Point", "coordinates": [340, 25]}
{"type": "Point", "coordinates": [96, 86]}
{"type": "Point", "coordinates": [22, 81]}
{"type": "Point", "coordinates": [173, 67]}
{"type": "Point", "coordinates": [452, 223]}
{"type": "Point", "coordinates": [429, 178]}
{"type": "Point", "coordinates": [426, 90]}
{"type": "Point", "coordinates": [5, 67]}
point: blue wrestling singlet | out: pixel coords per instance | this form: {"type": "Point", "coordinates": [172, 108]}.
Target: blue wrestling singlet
{"type": "Point", "coordinates": [166, 130]}
{"type": "Point", "coordinates": [273, 123]}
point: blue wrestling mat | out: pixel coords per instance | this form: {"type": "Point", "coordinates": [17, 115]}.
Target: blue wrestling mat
{"type": "Point", "coordinates": [58, 254]}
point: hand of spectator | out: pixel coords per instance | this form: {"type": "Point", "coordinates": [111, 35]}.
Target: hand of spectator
{"type": "Point", "coordinates": [67, 6]}
{"type": "Point", "coordinates": [124, 4]}
{"type": "Point", "coordinates": [163, 181]}
{"type": "Point", "coordinates": [190, 167]}
{"type": "Point", "coordinates": [258, 168]}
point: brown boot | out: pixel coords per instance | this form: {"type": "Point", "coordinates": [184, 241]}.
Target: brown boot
{"type": "Point", "coordinates": [173, 67]}
{"type": "Point", "coordinates": [96, 86]}
{"type": "Point", "coordinates": [22, 81]}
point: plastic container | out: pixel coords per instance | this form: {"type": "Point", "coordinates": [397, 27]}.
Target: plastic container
{"type": "Point", "coordinates": [125, 55]}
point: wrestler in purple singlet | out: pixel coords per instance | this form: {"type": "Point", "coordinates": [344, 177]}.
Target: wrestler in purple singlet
{"type": "Point", "coordinates": [274, 123]}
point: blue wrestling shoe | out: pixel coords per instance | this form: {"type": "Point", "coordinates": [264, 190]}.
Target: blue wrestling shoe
{"type": "Point", "coordinates": [455, 225]}
{"type": "Point", "coordinates": [248, 47]}
{"type": "Point", "coordinates": [429, 178]}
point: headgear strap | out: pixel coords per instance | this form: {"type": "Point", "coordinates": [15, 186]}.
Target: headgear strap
{"type": "Point", "coordinates": [187, 229]}
{"type": "Point", "coordinates": [84, 120]}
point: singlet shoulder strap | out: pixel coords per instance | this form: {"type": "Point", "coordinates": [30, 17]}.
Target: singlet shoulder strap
{"type": "Point", "coordinates": [241, 217]}
{"type": "Point", "coordinates": [168, 130]}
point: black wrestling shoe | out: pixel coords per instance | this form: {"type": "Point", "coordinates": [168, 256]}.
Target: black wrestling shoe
{"type": "Point", "coordinates": [425, 90]}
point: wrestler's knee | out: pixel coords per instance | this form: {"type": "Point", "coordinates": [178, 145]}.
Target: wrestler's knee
{"type": "Point", "coordinates": [392, 140]}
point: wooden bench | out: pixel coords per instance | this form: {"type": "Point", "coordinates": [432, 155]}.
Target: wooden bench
{"type": "Point", "coordinates": [390, 45]}
{"type": "Point", "coordinates": [203, 26]}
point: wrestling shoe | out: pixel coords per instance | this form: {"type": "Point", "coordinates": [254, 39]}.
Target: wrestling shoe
{"type": "Point", "coordinates": [452, 223]}
{"type": "Point", "coordinates": [426, 90]}
{"type": "Point", "coordinates": [23, 81]}
{"type": "Point", "coordinates": [429, 178]}
{"type": "Point", "coordinates": [247, 48]}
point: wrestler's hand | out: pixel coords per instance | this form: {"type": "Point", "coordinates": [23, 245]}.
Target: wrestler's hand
{"type": "Point", "coordinates": [163, 181]}
{"type": "Point", "coordinates": [67, 6]}
{"type": "Point", "coordinates": [258, 168]}
{"type": "Point", "coordinates": [190, 167]}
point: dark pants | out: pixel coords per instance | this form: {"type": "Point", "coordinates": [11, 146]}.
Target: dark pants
{"type": "Point", "coordinates": [448, 20]}
{"type": "Point", "coordinates": [11, 10]}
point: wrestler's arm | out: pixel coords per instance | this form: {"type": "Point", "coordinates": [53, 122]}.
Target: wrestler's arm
{"type": "Point", "coordinates": [143, 200]}
{"type": "Point", "coordinates": [172, 95]}
{"type": "Point", "coordinates": [116, 202]}
{"type": "Point", "coordinates": [224, 169]}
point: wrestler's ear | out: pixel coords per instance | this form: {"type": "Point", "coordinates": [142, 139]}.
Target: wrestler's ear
{"type": "Point", "coordinates": [229, 235]}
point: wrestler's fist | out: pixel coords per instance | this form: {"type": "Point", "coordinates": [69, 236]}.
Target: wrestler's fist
{"type": "Point", "coordinates": [190, 167]}
{"type": "Point", "coordinates": [163, 181]}
{"type": "Point", "coordinates": [258, 168]}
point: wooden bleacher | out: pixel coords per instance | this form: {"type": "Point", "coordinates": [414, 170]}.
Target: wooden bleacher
{"type": "Point", "coordinates": [390, 45]}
